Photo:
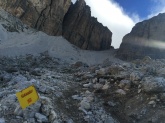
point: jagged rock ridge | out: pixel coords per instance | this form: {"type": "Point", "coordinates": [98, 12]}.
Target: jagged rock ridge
{"type": "Point", "coordinates": [83, 30]}
{"type": "Point", "coordinates": [146, 39]}
{"type": "Point", "coordinates": [48, 16]}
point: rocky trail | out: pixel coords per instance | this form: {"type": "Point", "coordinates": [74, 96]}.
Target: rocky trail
{"type": "Point", "coordinates": [78, 93]}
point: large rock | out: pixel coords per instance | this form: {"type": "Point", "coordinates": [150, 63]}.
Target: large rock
{"type": "Point", "coordinates": [153, 84]}
{"type": "Point", "coordinates": [44, 15]}
{"type": "Point", "coordinates": [146, 39]}
{"type": "Point", "coordinates": [83, 30]}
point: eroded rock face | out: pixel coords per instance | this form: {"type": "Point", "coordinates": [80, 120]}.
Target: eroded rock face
{"type": "Point", "coordinates": [78, 26]}
{"type": "Point", "coordinates": [146, 39]}
{"type": "Point", "coordinates": [44, 15]}
{"type": "Point", "coordinates": [83, 30]}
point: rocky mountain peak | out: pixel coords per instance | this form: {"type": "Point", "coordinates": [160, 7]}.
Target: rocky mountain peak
{"type": "Point", "coordinates": [83, 30]}
{"type": "Point", "coordinates": [146, 39]}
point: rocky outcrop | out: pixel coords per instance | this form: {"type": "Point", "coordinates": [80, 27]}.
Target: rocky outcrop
{"type": "Point", "coordinates": [83, 30]}
{"type": "Point", "coordinates": [44, 15]}
{"type": "Point", "coordinates": [78, 26]}
{"type": "Point", "coordinates": [146, 39]}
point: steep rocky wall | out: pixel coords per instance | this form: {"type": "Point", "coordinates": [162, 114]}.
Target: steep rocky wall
{"type": "Point", "coordinates": [147, 38]}
{"type": "Point", "coordinates": [78, 26]}
{"type": "Point", "coordinates": [44, 15]}
{"type": "Point", "coordinates": [83, 30]}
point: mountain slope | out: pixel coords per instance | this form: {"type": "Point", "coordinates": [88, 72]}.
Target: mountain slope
{"type": "Point", "coordinates": [29, 41]}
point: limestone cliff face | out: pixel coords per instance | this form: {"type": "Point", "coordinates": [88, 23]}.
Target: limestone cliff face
{"type": "Point", "coordinates": [147, 38]}
{"type": "Point", "coordinates": [59, 17]}
{"type": "Point", "coordinates": [44, 15]}
{"type": "Point", "coordinates": [83, 30]}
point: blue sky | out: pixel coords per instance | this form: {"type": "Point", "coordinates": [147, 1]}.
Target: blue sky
{"type": "Point", "coordinates": [140, 7]}
{"type": "Point", "coordinates": [121, 15]}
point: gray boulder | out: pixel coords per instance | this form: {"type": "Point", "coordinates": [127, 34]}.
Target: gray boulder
{"type": "Point", "coordinates": [153, 85]}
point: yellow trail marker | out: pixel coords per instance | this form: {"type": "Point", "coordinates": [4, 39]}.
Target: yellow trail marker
{"type": "Point", "coordinates": [27, 96]}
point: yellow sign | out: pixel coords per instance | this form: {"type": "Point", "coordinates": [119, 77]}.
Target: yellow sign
{"type": "Point", "coordinates": [27, 96]}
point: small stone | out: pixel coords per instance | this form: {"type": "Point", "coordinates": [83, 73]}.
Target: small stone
{"type": "Point", "coordinates": [161, 71]}
{"type": "Point", "coordinates": [94, 80]}
{"type": "Point", "coordinates": [12, 69]}
{"type": "Point", "coordinates": [87, 92]}
{"type": "Point", "coordinates": [139, 90]}
{"type": "Point", "coordinates": [139, 86]}
{"type": "Point", "coordinates": [2, 120]}
{"type": "Point", "coordinates": [69, 121]}
{"type": "Point", "coordinates": [45, 100]}
{"type": "Point", "coordinates": [88, 98]}
{"type": "Point", "coordinates": [125, 84]}
{"type": "Point", "coordinates": [52, 116]}
{"type": "Point", "coordinates": [112, 103]}
{"type": "Point", "coordinates": [162, 96]}
{"type": "Point", "coordinates": [19, 78]}
{"type": "Point", "coordinates": [36, 72]}
{"type": "Point", "coordinates": [109, 120]}
{"type": "Point", "coordinates": [76, 97]}
{"type": "Point", "coordinates": [152, 102]}
{"type": "Point", "coordinates": [147, 59]}
{"type": "Point", "coordinates": [105, 87]}
{"type": "Point", "coordinates": [42, 89]}
{"type": "Point", "coordinates": [114, 69]}
{"type": "Point", "coordinates": [153, 98]}
{"type": "Point", "coordinates": [87, 85]}
{"type": "Point", "coordinates": [77, 64]}
{"type": "Point", "coordinates": [18, 111]}
{"type": "Point", "coordinates": [98, 86]}
{"type": "Point", "coordinates": [87, 76]}
{"type": "Point", "coordinates": [45, 109]}
{"type": "Point", "coordinates": [158, 100]}
{"type": "Point", "coordinates": [102, 71]}
{"type": "Point", "coordinates": [7, 77]}
{"type": "Point", "coordinates": [82, 109]}
{"type": "Point", "coordinates": [18, 117]}
{"type": "Point", "coordinates": [56, 121]}
{"type": "Point", "coordinates": [30, 111]}
{"type": "Point", "coordinates": [49, 90]}
{"type": "Point", "coordinates": [121, 92]}
{"type": "Point", "coordinates": [85, 105]}
{"type": "Point", "coordinates": [135, 77]}
{"type": "Point", "coordinates": [41, 118]}
{"type": "Point", "coordinates": [31, 120]}
{"type": "Point", "coordinates": [153, 84]}
{"type": "Point", "coordinates": [89, 113]}
{"type": "Point", "coordinates": [102, 81]}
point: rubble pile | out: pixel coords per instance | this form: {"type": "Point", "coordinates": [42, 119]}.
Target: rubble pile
{"type": "Point", "coordinates": [126, 92]}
